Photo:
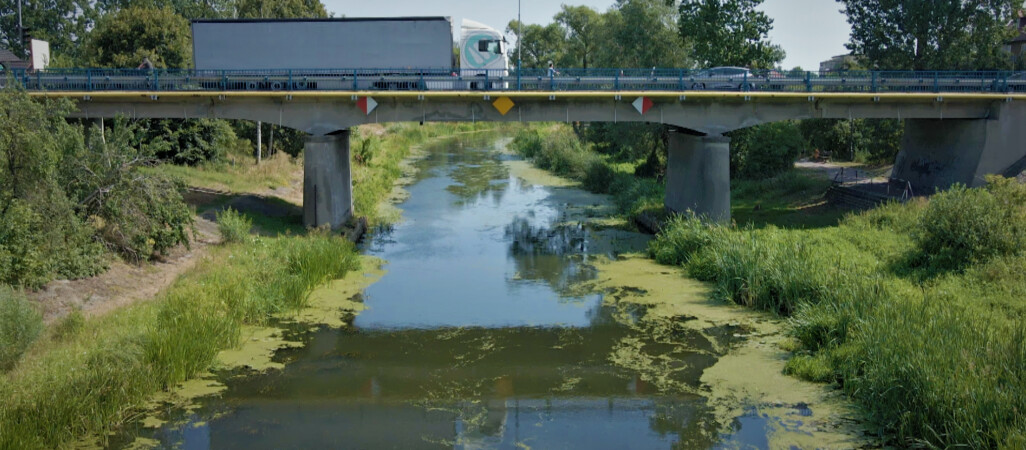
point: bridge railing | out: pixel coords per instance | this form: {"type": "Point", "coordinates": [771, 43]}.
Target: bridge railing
{"type": "Point", "coordinates": [650, 79]}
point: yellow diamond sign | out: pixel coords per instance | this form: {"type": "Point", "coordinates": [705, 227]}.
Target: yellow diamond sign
{"type": "Point", "coordinates": [503, 104]}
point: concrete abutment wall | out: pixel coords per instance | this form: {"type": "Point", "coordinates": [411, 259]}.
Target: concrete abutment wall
{"type": "Point", "coordinates": [937, 153]}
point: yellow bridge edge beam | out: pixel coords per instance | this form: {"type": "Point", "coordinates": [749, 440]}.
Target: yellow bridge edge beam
{"type": "Point", "coordinates": [664, 95]}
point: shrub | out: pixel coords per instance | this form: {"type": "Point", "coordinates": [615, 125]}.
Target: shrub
{"type": "Point", "coordinates": [765, 150]}
{"type": "Point", "coordinates": [683, 236]}
{"type": "Point", "coordinates": [234, 227]}
{"type": "Point", "coordinates": [20, 325]}
{"type": "Point", "coordinates": [962, 226]}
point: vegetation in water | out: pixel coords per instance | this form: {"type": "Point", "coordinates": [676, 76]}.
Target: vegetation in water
{"type": "Point", "coordinates": [915, 310]}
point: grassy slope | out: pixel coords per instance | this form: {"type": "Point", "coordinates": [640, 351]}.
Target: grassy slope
{"type": "Point", "coordinates": [935, 359]}
{"type": "Point", "coordinates": [85, 381]}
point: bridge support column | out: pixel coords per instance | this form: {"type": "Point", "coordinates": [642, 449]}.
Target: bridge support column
{"type": "Point", "coordinates": [327, 181]}
{"type": "Point", "coordinates": [698, 175]}
{"type": "Point", "coordinates": [936, 153]}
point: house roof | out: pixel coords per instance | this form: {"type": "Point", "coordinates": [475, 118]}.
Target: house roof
{"type": "Point", "coordinates": [10, 61]}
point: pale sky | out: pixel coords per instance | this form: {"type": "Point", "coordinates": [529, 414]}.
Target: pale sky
{"type": "Point", "coordinates": [809, 30]}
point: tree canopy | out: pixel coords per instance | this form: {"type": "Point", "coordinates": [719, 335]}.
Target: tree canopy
{"type": "Point", "coordinates": [124, 38]}
{"type": "Point", "coordinates": [728, 33]}
{"type": "Point", "coordinates": [931, 34]}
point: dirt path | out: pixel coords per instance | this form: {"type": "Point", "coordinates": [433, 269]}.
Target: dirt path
{"type": "Point", "coordinates": [124, 283]}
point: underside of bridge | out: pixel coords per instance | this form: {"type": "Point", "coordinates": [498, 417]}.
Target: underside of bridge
{"type": "Point", "coordinates": [950, 138]}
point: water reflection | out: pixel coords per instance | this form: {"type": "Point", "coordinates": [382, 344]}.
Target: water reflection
{"type": "Point", "coordinates": [478, 336]}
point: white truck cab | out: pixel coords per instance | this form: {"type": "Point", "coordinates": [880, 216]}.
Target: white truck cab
{"type": "Point", "coordinates": [482, 52]}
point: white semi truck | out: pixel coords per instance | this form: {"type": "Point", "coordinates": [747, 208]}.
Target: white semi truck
{"type": "Point", "coordinates": [372, 53]}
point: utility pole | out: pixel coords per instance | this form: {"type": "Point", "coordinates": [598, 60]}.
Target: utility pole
{"type": "Point", "coordinates": [520, 43]}
{"type": "Point", "coordinates": [260, 141]}
{"type": "Point", "coordinates": [21, 31]}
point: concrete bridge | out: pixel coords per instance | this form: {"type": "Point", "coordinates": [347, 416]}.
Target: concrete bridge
{"type": "Point", "coordinates": [953, 134]}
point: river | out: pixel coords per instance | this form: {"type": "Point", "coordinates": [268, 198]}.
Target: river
{"type": "Point", "coordinates": [511, 311]}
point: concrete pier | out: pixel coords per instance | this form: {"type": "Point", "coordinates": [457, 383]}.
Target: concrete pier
{"type": "Point", "coordinates": [327, 181]}
{"type": "Point", "coordinates": [698, 175]}
{"type": "Point", "coordinates": [938, 153]}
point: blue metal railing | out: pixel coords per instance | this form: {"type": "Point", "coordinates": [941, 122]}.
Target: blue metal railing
{"type": "Point", "coordinates": [653, 79]}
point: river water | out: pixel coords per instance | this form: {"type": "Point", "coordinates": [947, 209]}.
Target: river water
{"type": "Point", "coordinates": [507, 316]}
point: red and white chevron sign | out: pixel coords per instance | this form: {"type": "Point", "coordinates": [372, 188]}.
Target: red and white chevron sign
{"type": "Point", "coordinates": [366, 104]}
{"type": "Point", "coordinates": [642, 104]}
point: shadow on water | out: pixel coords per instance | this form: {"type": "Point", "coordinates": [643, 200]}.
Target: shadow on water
{"type": "Point", "coordinates": [478, 335]}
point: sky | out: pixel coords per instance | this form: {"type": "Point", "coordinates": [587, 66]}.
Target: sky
{"type": "Point", "coordinates": [810, 31]}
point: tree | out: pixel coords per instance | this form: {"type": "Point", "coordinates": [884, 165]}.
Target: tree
{"type": "Point", "coordinates": [728, 33]}
{"type": "Point", "coordinates": [541, 44]}
{"type": "Point", "coordinates": [640, 33]}
{"type": "Point", "coordinates": [280, 9]}
{"type": "Point", "coordinates": [189, 9]}
{"type": "Point", "coordinates": [583, 26]}
{"type": "Point", "coordinates": [124, 38]}
{"type": "Point", "coordinates": [931, 34]}
{"type": "Point", "coordinates": [60, 22]}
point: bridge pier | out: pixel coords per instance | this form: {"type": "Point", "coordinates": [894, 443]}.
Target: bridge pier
{"type": "Point", "coordinates": [937, 153]}
{"type": "Point", "coordinates": [327, 181]}
{"type": "Point", "coordinates": [698, 175]}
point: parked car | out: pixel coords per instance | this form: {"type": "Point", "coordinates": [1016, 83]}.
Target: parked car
{"type": "Point", "coordinates": [721, 78]}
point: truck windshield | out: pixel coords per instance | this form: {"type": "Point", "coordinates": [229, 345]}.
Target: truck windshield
{"type": "Point", "coordinates": [489, 47]}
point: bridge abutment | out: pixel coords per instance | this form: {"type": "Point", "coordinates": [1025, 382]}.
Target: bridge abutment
{"type": "Point", "coordinates": [937, 153]}
{"type": "Point", "coordinates": [698, 175]}
{"type": "Point", "coordinates": [327, 181]}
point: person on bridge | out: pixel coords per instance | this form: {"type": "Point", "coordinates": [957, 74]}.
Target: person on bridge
{"type": "Point", "coordinates": [146, 64]}
{"type": "Point", "coordinates": [552, 70]}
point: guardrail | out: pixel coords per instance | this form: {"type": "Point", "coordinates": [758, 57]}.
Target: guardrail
{"type": "Point", "coordinates": [525, 80]}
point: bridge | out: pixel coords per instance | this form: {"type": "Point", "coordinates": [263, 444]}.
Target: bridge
{"type": "Point", "coordinates": [959, 125]}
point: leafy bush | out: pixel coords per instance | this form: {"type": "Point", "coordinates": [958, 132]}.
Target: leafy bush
{"type": "Point", "coordinates": [765, 150]}
{"type": "Point", "coordinates": [876, 141]}
{"type": "Point", "coordinates": [138, 215]}
{"type": "Point", "coordinates": [189, 142]}
{"type": "Point", "coordinates": [234, 226]}
{"type": "Point", "coordinates": [962, 226]}
{"type": "Point", "coordinates": [20, 325]}
{"type": "Point", "coordinates": [625, 142]}
{"type": "Point", "coordinates": [40, 234]}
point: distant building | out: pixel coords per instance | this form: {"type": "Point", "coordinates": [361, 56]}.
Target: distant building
{"type": "Point", "coordinates": [1017, 45]}
{"type": "Point", "coordinates": [836, 63]}
{"type": "Point", "coordinates": [9, 61]}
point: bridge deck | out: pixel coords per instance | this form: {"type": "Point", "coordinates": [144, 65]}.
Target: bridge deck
{"type": "Point", "coordinates": [596, 95]}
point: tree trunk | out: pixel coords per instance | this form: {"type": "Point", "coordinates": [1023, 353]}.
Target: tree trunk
{"type": "Point", "coordinates": [259, 141]}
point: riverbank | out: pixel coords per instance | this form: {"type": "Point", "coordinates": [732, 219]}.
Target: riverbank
{"type": "Point", "coordinates": [85, 376]}
{"type": "Point", "coordinates": [914, 311]}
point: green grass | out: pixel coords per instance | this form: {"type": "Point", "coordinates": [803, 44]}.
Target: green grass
{"type": "Point", "coordinates": [934, 353]}
{"type": "Point", "coordinates": [20, 326]}
{"type": "Point", "coordinates": [89, 381]}
{"type": "Point", "coordinates": [243, 175]}
{"type": "Point", "coordinates": [234, 227]}
{"type": "Point", "coordinates": [793, 199]}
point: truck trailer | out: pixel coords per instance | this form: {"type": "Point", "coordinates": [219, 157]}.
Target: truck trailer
{"type": "Point", "coordinates": [373, 53]}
